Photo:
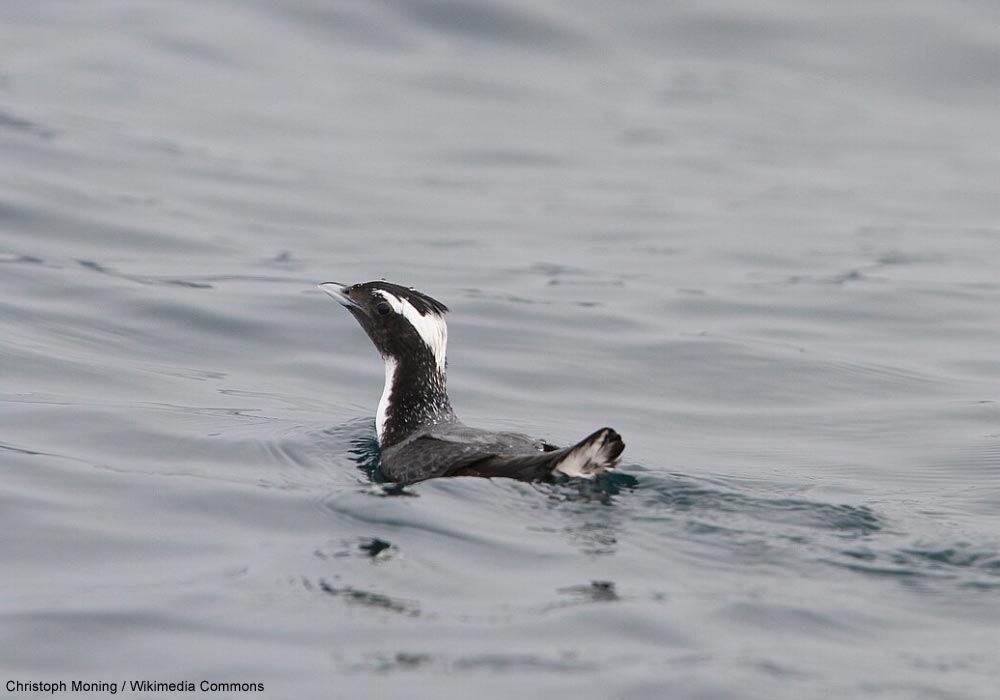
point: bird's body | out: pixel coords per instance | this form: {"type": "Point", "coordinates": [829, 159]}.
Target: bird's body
{"type": "Point", "coordinates": [419, 435]}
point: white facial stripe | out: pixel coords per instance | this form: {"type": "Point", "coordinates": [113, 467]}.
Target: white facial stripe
{"type": "Point", "coordinates": [383, 403]}
{"type": "Point", "coordinates": [395, 302]}
{"type": "Point", "coordinates": [431, 328]}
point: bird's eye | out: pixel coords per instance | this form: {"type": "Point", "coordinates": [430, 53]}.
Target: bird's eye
{"type": "Point", "coordinates": [383, 308]}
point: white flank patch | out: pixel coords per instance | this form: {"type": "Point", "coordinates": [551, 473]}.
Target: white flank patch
{"type": "Point", "coordinates": [383, 403]}
{"type": "Point", "coordinates": [431, 328]}
{"type": "Point", "coordinates": [588, 459]}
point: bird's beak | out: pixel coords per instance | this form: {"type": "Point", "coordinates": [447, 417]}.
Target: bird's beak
{"type": "Point", "coordinates": [339, 292]}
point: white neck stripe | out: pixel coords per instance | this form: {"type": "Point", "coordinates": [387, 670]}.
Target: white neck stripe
{"type": "Point", "coordinates": [431, 327]}
{"type": "Point", "coordinates": [383, 403]}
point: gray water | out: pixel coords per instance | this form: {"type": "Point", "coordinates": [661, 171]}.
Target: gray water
{"type": "Point", "coordinates": [760, 240]}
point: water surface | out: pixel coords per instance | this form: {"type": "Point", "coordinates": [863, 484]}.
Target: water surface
{"type": "Point", "coordinates": [761, 242]}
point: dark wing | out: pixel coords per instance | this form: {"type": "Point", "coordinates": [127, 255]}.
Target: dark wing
{"type": "Point", "coordinates": [506, 443]}
{"type": "Point", "coordinates": [491, 454]}
{"type": "Point", "coordinates": [428, 457]}
{"type": "Point", "coordinates": [455, 450]}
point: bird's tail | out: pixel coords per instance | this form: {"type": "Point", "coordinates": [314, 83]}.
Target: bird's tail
{"type": "Point", "coordinates": [595, 454]}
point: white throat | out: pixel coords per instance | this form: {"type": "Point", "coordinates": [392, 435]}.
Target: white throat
{"type": "Point", "coordinates": [383, 403]}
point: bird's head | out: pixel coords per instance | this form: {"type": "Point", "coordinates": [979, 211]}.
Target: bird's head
{"type": "Point", "coordinates": [401, 322]}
